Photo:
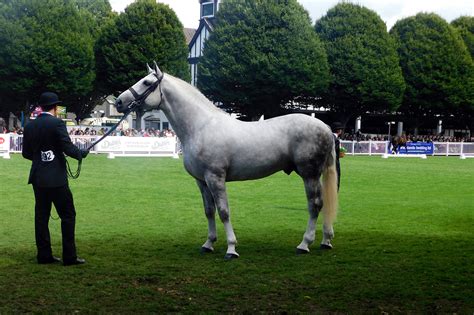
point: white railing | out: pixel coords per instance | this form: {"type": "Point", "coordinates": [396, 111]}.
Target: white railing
{"type": "Point", "coordinates": [13, 143]}
{"type": "Point", "coordinates": [114, 146]}
{"type": "Point", "coordinates": [381, 148]}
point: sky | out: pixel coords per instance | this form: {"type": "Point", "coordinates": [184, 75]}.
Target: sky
{"type": "Point", "coordinates": [389, 10]}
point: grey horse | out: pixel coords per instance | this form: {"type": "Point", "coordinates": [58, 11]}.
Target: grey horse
{"type": "Point", "coordinates": [218, 148]}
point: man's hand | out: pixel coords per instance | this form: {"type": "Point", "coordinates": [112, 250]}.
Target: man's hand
{"type": "Point", "coordinates": [84, 153]}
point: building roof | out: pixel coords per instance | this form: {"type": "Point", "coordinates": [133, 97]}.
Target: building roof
{"type": "Point", "coordinates": [189, 34]}
{"type": "Point", "coordinates": [205, 22]}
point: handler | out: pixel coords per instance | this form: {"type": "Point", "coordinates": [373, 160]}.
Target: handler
{"type": "Point", "coordinates": [337, 129]}
{"type": "Point", "coordinates": [45, 142]}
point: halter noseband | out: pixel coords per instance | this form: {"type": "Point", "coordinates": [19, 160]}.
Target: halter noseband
{"type": "Point", "coordinates": [139, 99]}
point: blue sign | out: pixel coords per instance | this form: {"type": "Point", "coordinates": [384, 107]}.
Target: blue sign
{"type": "Point", "coordinates": [416, 148]}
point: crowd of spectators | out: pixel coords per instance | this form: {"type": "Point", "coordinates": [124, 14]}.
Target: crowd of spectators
{"type": "Point", "coordinates": [149, 132]}
{"type": "Point", "coordinates": [16, 130]}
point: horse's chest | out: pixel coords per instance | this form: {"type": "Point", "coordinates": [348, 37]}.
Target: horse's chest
{"type": "Point", "coordinates": [193, 166]}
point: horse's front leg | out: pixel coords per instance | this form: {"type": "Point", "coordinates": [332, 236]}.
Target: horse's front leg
{"type": "Point", "coordinates": [210, 211]}
{"type": "Point", "coordinates": [315, 204]}
{"type": "Point", "coordinates": [216, 185]}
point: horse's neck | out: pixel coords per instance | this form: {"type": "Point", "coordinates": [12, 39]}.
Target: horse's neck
{"type": "Point", "coordinates": [186, 108]}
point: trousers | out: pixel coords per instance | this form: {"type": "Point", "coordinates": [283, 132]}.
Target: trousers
{"type": "Point", "coordinates": [63, 201]}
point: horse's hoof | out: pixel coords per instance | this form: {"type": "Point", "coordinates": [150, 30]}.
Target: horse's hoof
{"type": "Point", "coordinates": [205, 250]}
{"type": "Point", "coordinates": [231, 256]}
{"type": "Point", "coordinates": [324, 246]}
{"type": "Point", "coordinates": [301, 251]}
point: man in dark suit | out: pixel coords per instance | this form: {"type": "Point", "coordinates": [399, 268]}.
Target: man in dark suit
{"type": "Point", "coordinates": [337, 129]}
{"type": "Point", "coordinates": [45, 142]}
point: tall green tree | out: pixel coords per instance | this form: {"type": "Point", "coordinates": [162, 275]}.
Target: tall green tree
{"type": "Point", "coordinates": [46, 45]}
{"type": "Point", "coordinates": [364, 65]}
{"type": "Point", "coordinates": [146, 31]}
{"type": "Point", "coordinates": [436, 64]}
{"type": "Point", "coordinates": [100, 12]}
{"type": "Point", "coordinates": [261, 56]}
{"type": "Point", "coordinates": [465, 26]}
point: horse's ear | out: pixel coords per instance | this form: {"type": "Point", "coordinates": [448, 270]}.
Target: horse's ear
{"type": "Point", "coordinates": [157, 69]}
{"type": "Point", "coordinates": [150, 70]}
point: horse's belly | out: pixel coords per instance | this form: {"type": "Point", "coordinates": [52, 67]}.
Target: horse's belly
{"type": "Point", "coordinates": [237, 174]}
{"type": "Point", "coordinates": [257, 166]}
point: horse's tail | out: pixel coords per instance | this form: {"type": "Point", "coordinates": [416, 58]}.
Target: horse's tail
{"type": "Point", "coordinates": [329, 189]}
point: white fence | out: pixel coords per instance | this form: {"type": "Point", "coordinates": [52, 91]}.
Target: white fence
{"type": "Point", "coordinates": [114, 146]}
{"type": "Point", "coordinates": [154, 146]}
{"type": "Point", "coordinates": [382, 147]}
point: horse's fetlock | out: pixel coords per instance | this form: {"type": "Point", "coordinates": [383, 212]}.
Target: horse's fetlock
{"type": "Point", "coordinates": [309, 239]}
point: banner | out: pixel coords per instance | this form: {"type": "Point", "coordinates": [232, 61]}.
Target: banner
{"type": "Point", "coordinates": [4, 142]}
{"type": "Point", "coordinates": [143, 145]}
{"type": "Point", "coordinates": [416, 148]}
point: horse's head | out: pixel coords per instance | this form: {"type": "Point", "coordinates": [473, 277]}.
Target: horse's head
{"type": "Point", "coordinates": [144, 94]}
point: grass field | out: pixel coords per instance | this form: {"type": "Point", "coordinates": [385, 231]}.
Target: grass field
{"type": "Point", "coordinates": [404, 242]}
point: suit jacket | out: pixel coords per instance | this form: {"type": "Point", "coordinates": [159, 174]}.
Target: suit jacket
{"type": "Point", "coordinates": [45, 141]}
{"type": "Point", "coordinates": [337, 144]}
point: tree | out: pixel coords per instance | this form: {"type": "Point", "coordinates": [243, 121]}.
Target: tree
{"type": "Point", "coordinates": [261, 56]}
{"type": "Point", "coordinates": [46, 45]}
{"type": "Point", "coordinates": [437, 67]}
{"type": "Point", "coordinates": [100, 12]}
{"type": "Point", "coordinates": [364, 66]}
{"type": "Point", "coordinates": [145, 32]}
{"type": "Point", "coordinates": [465, 26]}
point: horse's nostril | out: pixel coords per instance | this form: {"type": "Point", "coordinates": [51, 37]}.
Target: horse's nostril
{"type": "Point", "coordinates": [118, 102]}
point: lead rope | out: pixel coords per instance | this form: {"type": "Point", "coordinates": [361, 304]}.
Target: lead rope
{"type": "Point", "coordinates": [75, 175]}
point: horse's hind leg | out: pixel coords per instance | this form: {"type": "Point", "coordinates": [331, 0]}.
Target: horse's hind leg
{"type": "Point", "coordinates": [315, 204]}
{"type": "Point", "coordinates": [210, 211]}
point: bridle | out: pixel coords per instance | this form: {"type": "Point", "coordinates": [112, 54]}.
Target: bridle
{"type": "Point", "coordinates": [140, 98]}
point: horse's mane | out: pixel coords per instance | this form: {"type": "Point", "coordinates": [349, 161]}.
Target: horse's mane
{"type": "Point", "coordinates": [192, 94]}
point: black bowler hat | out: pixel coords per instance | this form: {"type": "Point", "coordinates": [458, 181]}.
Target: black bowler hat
{"type": "Point", "coordinates": [337, 126]}
{"type": "Point", "coordinates": [48, 100]}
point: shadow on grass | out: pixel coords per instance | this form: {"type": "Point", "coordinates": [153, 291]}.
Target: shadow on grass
{"type": "Point", "coordinates": [366, 272]}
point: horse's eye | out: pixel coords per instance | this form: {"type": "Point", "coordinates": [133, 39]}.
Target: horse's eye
{"type": "Point", "coordinates": [147, 83]}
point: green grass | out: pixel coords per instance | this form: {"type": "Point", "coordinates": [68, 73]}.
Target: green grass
{"type": "Point", "coordinates": [404, 242]}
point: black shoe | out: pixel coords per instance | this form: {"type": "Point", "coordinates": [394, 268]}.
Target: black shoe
{"type": "Point", "coordinates": [77, 261]}
{"type": "Point", "coordinates": [51, 260]}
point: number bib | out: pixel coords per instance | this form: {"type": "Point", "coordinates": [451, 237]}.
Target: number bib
{"type": "Point", "coordinates": [47, 156]}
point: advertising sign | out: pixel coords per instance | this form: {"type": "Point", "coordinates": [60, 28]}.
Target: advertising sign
{"type": "Point", "coordinates": [4, 142]}
{"type": "Point", "coordinates": [416, 148]}
{"type": "Point", "coordinates": [138, 145]}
